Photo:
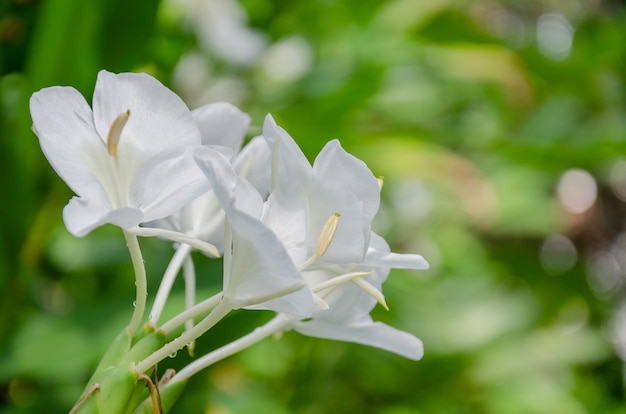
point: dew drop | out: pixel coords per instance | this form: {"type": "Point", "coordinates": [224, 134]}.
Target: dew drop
{"type": "Point", "coordinates": [173, 354]}
{"type": "Point", "coordinates": [134, 303]}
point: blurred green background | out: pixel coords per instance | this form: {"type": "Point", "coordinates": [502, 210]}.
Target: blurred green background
{"type": "Point", "coordinates": [499, 127]}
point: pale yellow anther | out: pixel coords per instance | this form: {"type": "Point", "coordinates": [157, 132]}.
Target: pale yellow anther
{"type": "Point", "coordinates": [328, 233]}
{"type": "Point", "coordinates": [115, 133]}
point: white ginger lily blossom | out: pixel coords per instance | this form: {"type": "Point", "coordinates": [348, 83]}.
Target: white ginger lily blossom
{"type": "Point", "coordinates": [345, 279]}
{"type": "Point", "coordinates": [128, 160]}
{"type": "Point", "coordinates": [258, 272]}
{"type": "Point", "coordinates": [342, 184]}
{"type": "Point", "coordinates": [304, 197]}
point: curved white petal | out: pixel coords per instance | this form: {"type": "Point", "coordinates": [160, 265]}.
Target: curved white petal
{"type": "Point", "coordinates": [351, 237]}
{"type": "Point", "coordinates": [204, 218]}
{"type": "Point", "coordinates": [290, 168]}
{"type": "Point", "coordinates": [343, 184]}
{"type": "Point", "coordinates": [261, 267]}
{"type": "Point", "coordinates": [159, 120]}
{"type": "Point", "coordinates": [377, 258]}
{"type": "Point", "coordinates": [64, 124]}
{"type": "Point", "coordinates": [81, 215]}
{"type": "Point", "coordinates": [334, 164]}
{"type": "Point", "coordinates": [258, 265]}
{"type": "Point", "coordinates": [254, 164]}
{"type": "Point", "coordinates": [231, 190]}
{"type": "Point", "coordinates": [379, 255]}
{"type": "Point", "coordinates": [170, 185]}
{"type": "Point", "coordinates": [221, 123]}
{"type": "Point", "coordinates": [366, 332]}
{"type": "Point", "coordinates": [288, 217]}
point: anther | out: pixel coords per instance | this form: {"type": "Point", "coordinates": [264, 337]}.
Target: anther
{"type": "Point", "coordinates": [327, 235]}
{"type": "Point", "coordinates": [115, 133]}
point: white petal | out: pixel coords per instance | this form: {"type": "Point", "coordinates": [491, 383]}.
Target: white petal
{"type": "Point", "coordinates": [291, 170]}
{"type": "Point", "coordinates": [334, 164]}
{"type": "Point", "coordinates": [261, 267]}
{"type": "Point", "coordinates": [63, 122]}
{"type": "Point", "coordinates": [231, 190]}
{"type": "Point", "coordinates": [288, 217]}
{"type": "Point", "coordinates": [344, 185]}
{"type": "Point", "coordinates": [203, 218]}
{"type": "Point", "coordinates": [221, 123]}
{"type": "Point", "coordinates": [81, 215]}
{"type": "Point", "coordinates": [170, 185]}
{"type": "Point", "coordinates": [378, 255]}
{"type": "Point", "coordinates": [376, 258]}
{"type": "Point", "coordinates": [254, 164]}
{"type": "Point", "coordinates": [159, 120]}
{"type": "Point", "coordinates": [366, 332]}
{"type": "Point", "coordinates": [352, 237]}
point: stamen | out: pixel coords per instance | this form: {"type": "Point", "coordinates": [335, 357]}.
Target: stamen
{"type": "Point", "coordinates": [324, 241]}
{"type": "Point", "coordinates": [242, 303]}
{"type": "Point", "coordinates": [338, 280]}
{"type": "Point", "coordinates": [328, 233]}
{"type": "Point", "coordinates": [320, 302]}
{"type": "Point", "coordinates": [372, 291]}
{"type": "Point", "coordinates": [115, 133]}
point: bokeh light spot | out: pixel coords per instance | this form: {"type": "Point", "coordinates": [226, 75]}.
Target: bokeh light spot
{"type": "Point", "coordinates": [577, 191]}
{"type": "Point", "coordinates": [555, 36]}
{"type": "Point", "coordinates": [558, 254]}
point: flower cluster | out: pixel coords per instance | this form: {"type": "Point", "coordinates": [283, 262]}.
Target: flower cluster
{"type": "Point", "coordinates": [295, 238]}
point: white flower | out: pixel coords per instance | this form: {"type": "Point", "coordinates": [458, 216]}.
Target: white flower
{"type": "Point", "coordinates": [302, 200]}
{"type": "Point", "coordinates": [258, 272]}
{"type": "Point", "coordinates": [128, 160]}
{"type": "Point", "coordinates": [304, 197]}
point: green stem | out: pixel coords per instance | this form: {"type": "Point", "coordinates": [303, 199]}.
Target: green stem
{"type": "Point", "coordinates": [202, 307]}
{"type": "Point", "coordinates": [170, 348]}
{"type": "Point", "coordinates": [280, 323]}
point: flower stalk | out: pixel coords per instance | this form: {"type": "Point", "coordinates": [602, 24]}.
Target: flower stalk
{"type": "Point", "coordinates": [141, 283]}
